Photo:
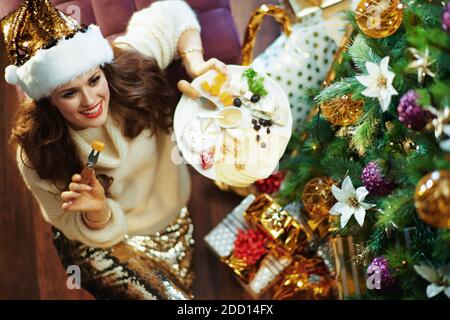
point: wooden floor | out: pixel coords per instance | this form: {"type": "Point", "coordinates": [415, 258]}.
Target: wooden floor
{"type": "Point", "coordinates": [29, 266]}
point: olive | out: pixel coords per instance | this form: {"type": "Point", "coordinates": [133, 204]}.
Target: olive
{"type": "Point", "coordinates": [255, 98]}
{"type": "Point", "coordinates": [237, 102]}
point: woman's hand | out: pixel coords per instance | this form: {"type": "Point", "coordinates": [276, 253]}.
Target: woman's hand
{"type": "Point", "coordinates": [88, 198]}
{"type": "Point", "coordinates": [196, 66]}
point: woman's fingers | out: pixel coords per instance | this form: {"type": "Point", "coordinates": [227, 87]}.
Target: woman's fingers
{"type": "Point", "coordinates": [66, 205]}
{"type": "Point", "coordinates": [77, 198]}
{"type": "Point", "coordinates": [69, 195]}
{"type": "Point", "coordinates": [219, 65]}
{"type": "Point", "coordinates": [79, 187]}
{"type": "Point", "coordinates": [83, 204]}
{"type": "Point", "coordinates": [212, 63]}
{"type": "Point", "coordinates": [216, 64]}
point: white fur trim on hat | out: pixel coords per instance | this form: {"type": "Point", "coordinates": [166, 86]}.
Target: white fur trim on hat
{"type": "Point", "coordinates": [11, 75]}
{"type": "Point", "coordinates": [50, 68]}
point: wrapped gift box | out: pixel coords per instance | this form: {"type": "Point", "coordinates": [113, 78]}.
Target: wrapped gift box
{"type": "Point", "coordinates": [303, 8]}
{"type": "Point", "coordinates": [284, 234]}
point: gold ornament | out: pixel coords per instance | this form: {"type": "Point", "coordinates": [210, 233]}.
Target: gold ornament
{"type": "Point", "coordinates": [379, 18]}
{"type": "Point", "coordinates": [343, 111]}
{"type": "Point", "coordinates": [422, 63]}
{"type": "Point", "coordinates": [36, 25]}
{"type": "Point", "coordinates": [317, 197]}
{"type": "Point", "coordinates": [409, 146]}
{"type": "Point", "coordinates": [432, 199]}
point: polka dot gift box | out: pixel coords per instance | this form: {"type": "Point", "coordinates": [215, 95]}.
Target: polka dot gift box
{"type": "Point", "coordinates": [300, 61]}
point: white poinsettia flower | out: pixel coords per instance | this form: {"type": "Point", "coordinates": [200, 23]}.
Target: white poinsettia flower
{"type": "Point", "coordinates": [439, 278]}
{"type": "Point", "coordinates": [445, 144]}
{"type": "Point", "coordinates": [378, 82]}
{"type": "Point", "coordinates": [350, 202]}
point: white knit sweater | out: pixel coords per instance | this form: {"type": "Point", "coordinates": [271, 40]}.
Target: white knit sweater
{"type": "Point", "coordinates": [148, 189]}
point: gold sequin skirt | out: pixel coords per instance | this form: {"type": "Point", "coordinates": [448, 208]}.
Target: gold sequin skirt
{"type": "Point", "coordinates": [153, 267]}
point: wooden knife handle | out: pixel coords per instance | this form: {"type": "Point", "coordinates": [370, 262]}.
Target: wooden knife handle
{"type": "Point", "coordinates": [186, 88]}
{"type": "Point", "coordinates": [86, 175]}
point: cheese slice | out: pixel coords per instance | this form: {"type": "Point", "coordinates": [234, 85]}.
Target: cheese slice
{"type": "Point", "coordinates": [279, 116]}
{"type": "Point", "coordinates": [223, 175]}
{"type": "Point", "coordinates": [266, 105]}
{"type": "Point", "coordinates": [230, 159]}
{"type": "Point", "coordinates": [235, 85]}
{"type": "Point", "coordinates": [198, 140]}
{"type": "Point", "coordinates": [205, 123]}
{"type": "Point", "coordinates": [262, 161]}
{"type": "Point", "coordinates": [242, 159]}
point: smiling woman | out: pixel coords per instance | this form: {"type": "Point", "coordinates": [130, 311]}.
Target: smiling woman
{"type": "Point", "coordinates": [44, 137]}
{"type": "Point", "coordinates": [83, 102]}
{"type": "Point", "coordinates": [83, 89]}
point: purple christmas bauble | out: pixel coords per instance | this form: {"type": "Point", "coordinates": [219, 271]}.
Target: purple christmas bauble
{"type": "Point", "coordinates": [411, 114]}
{"type": "Point", "coordinates": [374, 181]}
{"type": "Point", "coordinates": [446, 18]}
{"type": "Point", "coordinates": [380, 274]}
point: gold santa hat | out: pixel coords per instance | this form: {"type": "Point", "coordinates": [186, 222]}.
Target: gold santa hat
{"type": "Point", "coordinates": [47, 48]}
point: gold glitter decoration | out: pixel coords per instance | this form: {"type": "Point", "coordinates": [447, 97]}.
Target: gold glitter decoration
{"type": "Point", "coordinates": [157, 266]}
{"type": "Point", "coordinates": [254, 25]}
{"type": "Point", "coordinates": [432, 199]}
{"type": "Point", "coordinates": [305, 279]}
{"type": "Point", "coordinates": [36, 25]}
{"type": "Point", "coordinates": [343, 111]}
{"type": "Point", "coordinates": [244, 271]}
{"type": "Point", "coordinates": [317, 197]}
{"type": "Point", "coordinates": [379, 18]}
{"type": "Point", "coordinates": [338, 58]}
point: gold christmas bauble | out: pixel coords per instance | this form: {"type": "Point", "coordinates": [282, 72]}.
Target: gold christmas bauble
{"type": "Point", "coordinates": [379, 18]}
{"type": "Point", "coordinates": [343, 111]}
{"type": "Point", "coordinates": [432, 199]}
{"type": "Point", "coordinates": [317, 197]}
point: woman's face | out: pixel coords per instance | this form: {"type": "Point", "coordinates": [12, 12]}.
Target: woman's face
{"type": "Point", "coordinates": [84, 101]}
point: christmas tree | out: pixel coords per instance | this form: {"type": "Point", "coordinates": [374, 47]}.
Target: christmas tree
{"type": "Point", "coordinates": [377, 149]}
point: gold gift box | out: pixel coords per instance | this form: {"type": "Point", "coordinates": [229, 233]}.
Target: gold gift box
{"type": "Point", "coordinates": [285, 237]}
{"type": "Point", "coordinates": [349, 264]}
{"type": "Point", "coordinates": [277, 223]}
{"type": "Point", "coordinates": [303, 8]}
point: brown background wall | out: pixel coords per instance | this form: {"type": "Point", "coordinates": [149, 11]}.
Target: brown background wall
{"type": "Point", "coordinates": [29, 266]}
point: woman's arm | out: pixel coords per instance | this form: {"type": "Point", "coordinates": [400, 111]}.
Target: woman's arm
{"type": "Point", "coordinates": [156, 30]}
{"type": "Point", "coordinates": [190, 49]}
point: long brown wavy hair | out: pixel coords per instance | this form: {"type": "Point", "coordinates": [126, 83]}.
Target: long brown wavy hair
{"type": "Point", "coordinates": [141, 98]}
